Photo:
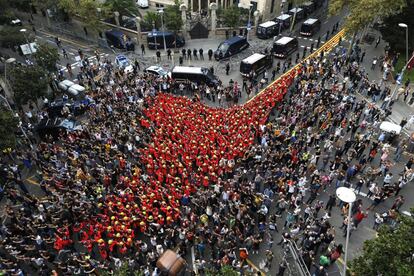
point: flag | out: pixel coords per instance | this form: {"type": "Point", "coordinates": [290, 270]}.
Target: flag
{"type": "Point", "coordinates": [410, 63]}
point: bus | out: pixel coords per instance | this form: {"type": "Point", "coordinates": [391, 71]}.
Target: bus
{"type": "Point", "coordinates": [256, 63]}
{"type": "Point", "coordinates": [310, 27]}
{"type": "Point", "coordinates": [194, 74]}
{"type": "Point", "coordinates": [267, 30]}
{"type": "Point", "coordinates": [285, 46]}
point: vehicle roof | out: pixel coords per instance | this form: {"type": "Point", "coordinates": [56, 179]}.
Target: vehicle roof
{"type": "Point", "coordinates": [234, 39]}
{"type": "Point", "coordinates": [154, 67]}
{"type": "Point", "coordinates": [283, 16]}
{"type": "Point", "coordinates": [253, 58]}
{"type": "Point", "coordinates": [268, 24]}
{"type": "Point", "coordinates": [310, 21]}
{"type": "Point", "coordinates": [297, 9]}
{"type": "Point", "coordinates": [121, 57]}
{"type": "Point", "coordinates": [187, 69]}
{"type": "Point", "coordinates": [309, 3]}
{"type": "Point", "coordinates": [284, 40]}
{"type": "Point", "coordinates": [114, 32]}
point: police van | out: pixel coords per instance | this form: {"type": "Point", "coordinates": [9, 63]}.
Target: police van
{"type": "Point", "coordinates": [256, 63]}
{"type": "Point", "coordinates": [267, 30]}
{"type": "Point", "coordinates": [310, 27]}
{"type": "Point", "coordinates": [285, 46]}
{"type": "Point", "coordinates": [284, 20]}
{"type": "Point", "coordinates": [194, 74]}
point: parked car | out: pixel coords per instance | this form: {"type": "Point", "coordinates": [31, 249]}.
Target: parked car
{"type": "Point", "coordinates": [55, 126]}
{"type": "Point", "coordinates": [143, 4]}
{"type": "Point", "coordinates": [157, 71]}
{"type": "Point", "coordinates": [122, 63]}
{"type": "Point", "coordinates": [72, 89]}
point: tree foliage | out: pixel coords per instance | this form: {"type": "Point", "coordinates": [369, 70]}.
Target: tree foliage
{"type": "Point", "coordinates": [231, 16]}
{"type": "Point", "coordinates": [172, 18]}
{"type": "Point", "coordinates": [363, 12]}
{"type": "Point", "coordinates": [29, 83]}
{"type": "Point", "coordinates": [152, 19]}
{"type": "Point", "coordinates": [11, 36]}
{"type": "Point", "coordinates": [88, 11]}
{"type": "Point", "coordinates": [391, 253]}
{"type": "Point", "coordinates": [394, 34]}
{"type": "Point", "coordinates": [8, 125]}
{"type": "Point", "coordinates": [124, 7]}
{"type": "Point", "coordinates": [46, 57]}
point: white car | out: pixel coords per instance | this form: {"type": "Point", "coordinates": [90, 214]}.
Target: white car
{"type": "Point", "coordinates": [157, 71]}
{"type": "Point", "coordinates": [122, 62]}
{"type": "Point", "coordinates": [143, 4]}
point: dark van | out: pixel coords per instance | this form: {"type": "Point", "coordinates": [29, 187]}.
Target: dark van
{"type": "Point", "coordinates": [117, 39]}
{"type": "Point", "coordinates": [256, 63]}
{"type": "Point", "coordinates": [156, 40]}
{"type": "Point", "coordinates": [194, 74]}
{"type": "Point", "coordinates": [300, 13]}
{"type": "Point", "coordinates": [284, 20]}
{"type": "Point", "coordinates": [267, 30]}
{"type": "Point", "coordinates": [310, 27]}
{"type": "Point", "coordinates": [285, 46]}
{"type": "Point", "coordinates": [309, 7]}
{"type": "Point", "coordinates": [230, 47]}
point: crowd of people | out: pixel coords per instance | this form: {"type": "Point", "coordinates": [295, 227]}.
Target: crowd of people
{"type": "Point", "coordinates": [152, 170]}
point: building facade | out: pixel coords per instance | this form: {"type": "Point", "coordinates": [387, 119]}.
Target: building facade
{"type": "Point", "coordinates": [267, 8]}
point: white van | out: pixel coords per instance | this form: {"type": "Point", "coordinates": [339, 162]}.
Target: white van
{"type": "Point", "coordinates": [143, 4]}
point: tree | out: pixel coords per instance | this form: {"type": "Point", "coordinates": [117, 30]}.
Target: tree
{"type": "Point", "coordinates": [124, 7]}
{"type": "Point", "coordinates": [172, 18]}
{"type": "Point", "coordinates": [29, 83]}
{"type": "Point", "coordinates": [11, 36]}
{"type": "Point", "coordinates": [363, 12]}
{"type": "Point", "coordinates": [391, 253]}
{"type": "Point", "coordinates": [8, 126]}
{"type": "Point", "coordinates": [46, 57]}
{"type": "Point", "coordinates": [225, 270]}
{"type": "Point", "coordinates": [231, 16]}
{"type": "Point", "coordinates": [88, 11]}
{"type": "Point", "coordinates": [395, 35]}
{"type": "Point", "coordinates": [152, 19]}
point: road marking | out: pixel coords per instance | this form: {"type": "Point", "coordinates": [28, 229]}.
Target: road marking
{"type": "Point", "coordinates": [255, 267]}
{"type": "Point", "coordinates": [326, 22]}
{"type": "Point", "coordinates": [31, 181]}
{"type": "Point", "coordinates": [66, 40]}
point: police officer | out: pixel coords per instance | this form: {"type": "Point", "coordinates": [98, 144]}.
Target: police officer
{"type": "Point", "coordinates": [158, 53]}
{"type": "Point", "coordinates": [189, 54]}
{"type": "Point", "coordinates": [227, 69]}
{"type": "Point", "coordinates": [210, 54]}
{"type": "Point", "coordinates": [201, 53]}
{"type": "Point", "coordinates": [183, 52]}
{"type": "Point", "coordinates": [195, 52]}
{"type": "Point", "coordinates": [169, 53]}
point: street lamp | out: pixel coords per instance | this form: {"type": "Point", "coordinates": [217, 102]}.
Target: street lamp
{"type": "Point", "coordinates": [27, 41]}
{"type": "Point", "coordinates": [240, 5]}
{"type": "Point", "coordinates": [405, 26]}
{"type": "Point", "coordinates": [161, 12]}
{"type": "Point", "coordinates": [346, 195]}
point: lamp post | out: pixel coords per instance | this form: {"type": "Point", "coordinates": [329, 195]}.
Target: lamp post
{"type": "Point", "coordinates": [161, 12]}
{"type": "Point", "coordinates": [250, 6]}
{"type": "Point", "coordinates": [27, 41]}
{"type": "Point", "coordinates": [346, 195]}
{"type": "Point", "coordinates": [405, 26]}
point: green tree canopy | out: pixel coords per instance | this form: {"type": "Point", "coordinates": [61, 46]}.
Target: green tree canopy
{"type": "Point", "coordinates": [363, 12]}
{"type": "Point", "coordinates": [11, 36]}
{"type": "Point", "coordinates": [172, 18]}
{"type": "Point", "coordinates": [394, 34]}
{"type": "Point", "coordinates": [231, 16]}
{"type": "Point", "coordinates": [391, 253]}
{"type": "Point", "coordinates": [46, 57]}
{"type": "Point", "coordinates": [152, 19]}
{"type": "Point", "coordinates": [8, 126]}
{"type": "Point", "coordinates": [29, 83]}
{"type": "Point", "coordinates": [124, 7]}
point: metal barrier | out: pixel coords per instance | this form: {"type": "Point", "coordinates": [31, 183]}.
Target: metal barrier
{"type": "Point", "coordinates": [299, 263]}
